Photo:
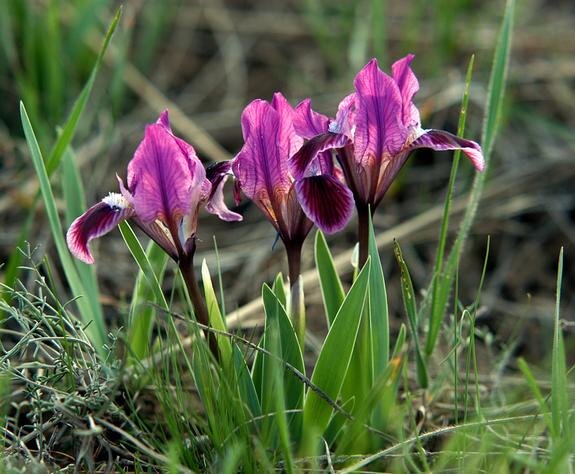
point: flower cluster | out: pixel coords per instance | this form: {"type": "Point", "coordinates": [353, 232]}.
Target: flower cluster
{"type": "Point", "coordinates": [299, 167]}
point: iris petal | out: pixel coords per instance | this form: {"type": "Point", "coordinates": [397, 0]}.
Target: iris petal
{"type": "Point", "coordinates": [308, 123]}
{"type": "Point", "coordinates": [440, 140]}
{"type": "Point", "coordinates": [326, 201]}
{"type": "Point", "coordinates": [379, 129]}
{"type": "Point", "coordinates": [312, 149]}
{"type": "Point", "coordinates": [408, 86]}
{"type": "Point", "coordinates": [218, 174]}
{"type": "Point", "coordinates": [95, 222]}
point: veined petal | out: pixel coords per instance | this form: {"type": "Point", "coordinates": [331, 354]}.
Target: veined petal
{"type": "Point", "coordinates": [308, 123]}
{"type": "Point", "coordinates": [326, 201]}
{"type": "Point", "coordinates": [261, 166]}
{"type": "Point", "coordinates": [311, 150]}
{"type": "Point", "coordinates": [440, 140]}
{"type": "Point", "coordinates": [379, 129]}
{"type": "Point", "coordinates": [160, 177]}
{"type": "Point", "coordinates": [408, 87]}
{"type": "Point", "coordinates": [218, 174]}
{"type": "Point", "coordinates": [289, 140]}
{"type": "Point", "coordinates": [95, 222]}
{"type": "Point", "coordinates": [345, 118]}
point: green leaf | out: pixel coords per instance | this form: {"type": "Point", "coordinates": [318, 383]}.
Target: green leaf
{"type": "Point", "coordinates": [69, 128]}
{"type": "Point", "coordinates": [144, 264]}
{"type": "Point", "coordinates": [64, 140]}
{"type": "Point", "coordinates": [411, 310]}
{"type": "Point", "coordinates": [559, 391]}
{"type": "Point", "coordinates": [245, 383]}
{"type": "Point", "coordinates": [288, 349]}
{"type": "Point", "coordinates": [142, 313]}
{"type": "Point", "coordinates": [88, 312]}
{"type": "Point", "coordinates": [331, 287]}
{"type": "Point", "coordinates": [441, 283]}
{"type": "Point", "coordinates": [279, 289]}
{"type": "Point", "coordinates": [378, 312]}
{"type": "Point", "coordinates": [334, 358]}
{"type": "Point", "coordinates": [215, 315]}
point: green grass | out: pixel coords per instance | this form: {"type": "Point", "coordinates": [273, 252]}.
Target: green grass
{"type": "Point", "coordinates": [147, 395]}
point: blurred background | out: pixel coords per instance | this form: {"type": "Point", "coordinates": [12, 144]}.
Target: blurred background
{"type": "Point", "coordinates": [205, 60]}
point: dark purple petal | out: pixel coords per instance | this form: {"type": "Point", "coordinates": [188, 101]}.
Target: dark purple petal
{"type": "Point", "coordinates": [308, 123]}
{"type": "Point", "coordinates": [218, 174]}
{"type": "Point", "coordinates": [296, 225]}
{"type": "Point", "coordinates": [95, 222]}
{"type": "Point", "coordinates": [261, 167]}
{"type": "Point", "coordinates": [326, 201]}
{"type": "Point", "coordinates": [379, 129]}
{"type": "Point", "coordinates": [162, 177]}
{"type": "Point", "coordinates": [408, 86]}
{"type": "Point", "coordinates": [310, 151]}
{"type": "Point", "coordinates": [440, 140]}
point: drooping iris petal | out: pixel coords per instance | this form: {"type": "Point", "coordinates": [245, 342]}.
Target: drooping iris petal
{"type": "Point", "coordinates": [408, 87]}
{"type": "Point", "coordinates": [379, 129]}
{"type": "Point", "coordinates": [218, 174]}
{"type": "Point", "coordinates": [326, 201]}
{"type": "Point", "coordinates": [95, 222]}
{"type": "Point", "coordinates": [307, 122]}
{"type": "Point", "coordinates": [310, 151]}
{"type": "Point", "coordinates": [441, 141]}
{"type": "Point", "coordinates": [160, 178]}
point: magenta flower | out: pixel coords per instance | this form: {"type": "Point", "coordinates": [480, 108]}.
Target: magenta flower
{"type": "Point", "coordinates": [375, 130]}
{"type": "Point", "coordinates": [166, 186]}
{"type": "Point", "coordinates": [293, 202]}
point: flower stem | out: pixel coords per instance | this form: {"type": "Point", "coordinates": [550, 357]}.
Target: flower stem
{"type": "Point", "coordinates": [186, 265]}
{"type": "Point", "coordinates": [363, 233]}
{"type": "Point", "coordinates": [297, 308]}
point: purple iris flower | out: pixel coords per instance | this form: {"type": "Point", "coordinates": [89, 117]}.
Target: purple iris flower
{"type": "Point", "coordinates": [166, 186]}
{"type": "Point", "coordinates": [273, 133]}
{"type": "Point", "coordinates": [375, 130]}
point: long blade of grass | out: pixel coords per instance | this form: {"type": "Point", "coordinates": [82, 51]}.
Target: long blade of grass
{"type": "Point", "coordinates": [491, 121]}
{"type": "Point", "coordinates": [142, 314]}
{"type": "Point", "coordinates": [559, 398]}
{"type": "Point", "coordinates": [96, 330]}
{"type": "Point", "coordinates": [440, 288]}
{"type": "Point", "coordinates": [331, 287]}
{"type": "Point", "coordinates": [334, 358]}
{"type": "Point", "coordinates": [378, 311]}
{"type": "Point", "coordinates": [64, 140]}
{"type": "Point", "coordinates": [411, 310]}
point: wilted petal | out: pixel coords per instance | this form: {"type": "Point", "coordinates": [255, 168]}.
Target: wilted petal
{"type": "Point", "coordinates": [310, 151]}
{"type": "Point", "coordinates": [440, 140]}
{"type": "Point", "coordinates": [379, 128]}
{"type": "Point", "coordinates": [261, 167]}
{"type": "Point", "coordinates": [308, 123]}
{"type": "Point", "coordinates": [408, 86]}
{"type": "Point", "coordinates": [95, 222]}
{"type": "Point", "coordinates": [218, 174]}
{"type": "Point", "coordinates": [160, 177]}
{"type": "Point", "coordinates": [326, 201]}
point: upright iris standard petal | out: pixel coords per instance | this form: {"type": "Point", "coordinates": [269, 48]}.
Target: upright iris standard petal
{"type": "Point", "coordinates": [100, 219]}
{"type": "Point", "coordinates": [379, 129]}
{"type": "Point", "coordinates": [307, 122]}
{"type": "Point", "coordinates": [159, 177]}
{"type": "Point", "coordinates": [408, 86]}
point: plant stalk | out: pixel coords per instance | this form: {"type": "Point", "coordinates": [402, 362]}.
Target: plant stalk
{"type": "Point", "coordinates": [297, 307]}
{"type": "Point", "coordinates": [363, 234]}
